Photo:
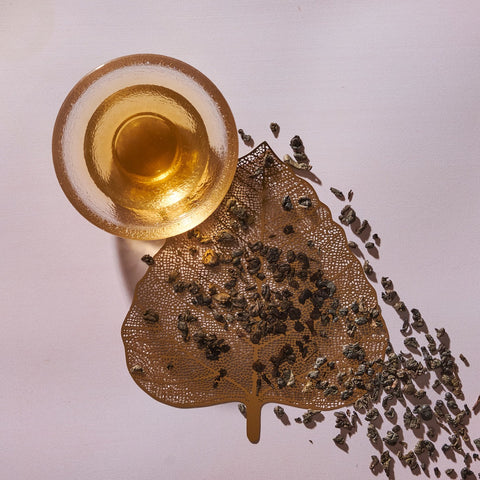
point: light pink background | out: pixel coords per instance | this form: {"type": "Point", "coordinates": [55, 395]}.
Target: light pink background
{"type": "Point", "coordinates": [386, 96]}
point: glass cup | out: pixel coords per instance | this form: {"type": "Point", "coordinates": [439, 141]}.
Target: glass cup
{"type": "Point", "coordinates": [145, 147]}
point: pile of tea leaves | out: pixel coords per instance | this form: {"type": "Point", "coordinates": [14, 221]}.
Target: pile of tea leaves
{"type": "Point", "coordinates": [419, 390]}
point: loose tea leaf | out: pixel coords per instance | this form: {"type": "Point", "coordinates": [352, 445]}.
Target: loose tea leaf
{"type": "Point", "coordinates": [347, 215]}
{"type": "Point", "coordinates": [258, 316]}
{"type": "Point", "coordinates": [246, 138]}
{"type": "Point", "coordinates": [338, 193]}
{"type": "Point", "coordinates": [242, 409]}
{"type": "Point", "coordinates": [275, 128]}
{"type": "Point", "coordinates": [279, 411]}
{"type": "Point", "coordinates": [148, 259]}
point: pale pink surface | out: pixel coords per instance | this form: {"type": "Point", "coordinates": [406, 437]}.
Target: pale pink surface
{"type": "Point", "coordinates": [386, 97]}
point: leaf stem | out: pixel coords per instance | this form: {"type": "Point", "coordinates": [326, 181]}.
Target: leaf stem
{"type": "Point", "coordinates": [254, 408]}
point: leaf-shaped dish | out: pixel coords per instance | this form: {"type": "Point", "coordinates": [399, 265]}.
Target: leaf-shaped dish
{"type": "Point", "coordinates": [263, 302]}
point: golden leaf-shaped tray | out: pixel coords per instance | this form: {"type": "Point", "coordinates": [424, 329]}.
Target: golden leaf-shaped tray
{"type": "Point", "coordinates": [263, 302]}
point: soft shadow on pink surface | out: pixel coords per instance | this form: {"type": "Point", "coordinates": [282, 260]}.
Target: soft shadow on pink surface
{"type": "Point", "coordinates": [130, 253]}
{"type": "Point", "coordinates": [309, 176]}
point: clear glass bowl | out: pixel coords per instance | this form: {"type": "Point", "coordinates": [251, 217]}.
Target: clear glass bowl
{"type": "Point", "coordinates": [145, 147]}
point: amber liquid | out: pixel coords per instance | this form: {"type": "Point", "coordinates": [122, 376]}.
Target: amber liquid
{"type": "Point", "coordinates": [146, 147]}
